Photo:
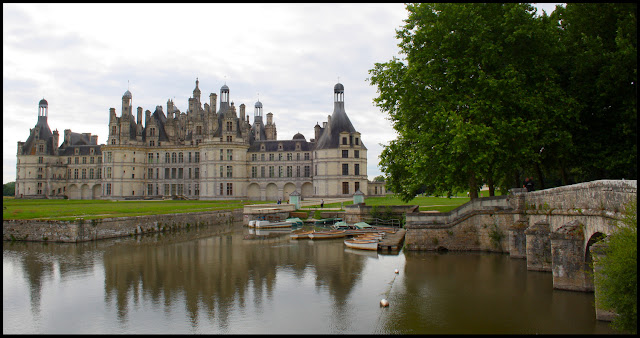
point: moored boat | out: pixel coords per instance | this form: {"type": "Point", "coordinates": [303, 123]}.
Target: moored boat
{"type": "Point", "coordinates": [271, 225]}
{"type": "Point", "coordinates": [362, 244]}
{"type": "Point", "coordinates": [300, 234]}
{"type": "Point", "coordinates": [327, 234]}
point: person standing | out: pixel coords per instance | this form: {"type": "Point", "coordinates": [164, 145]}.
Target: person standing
{"type": "Point", "coordinates": [322, 203]}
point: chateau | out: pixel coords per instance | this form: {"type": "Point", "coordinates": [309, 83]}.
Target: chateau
{"type": "Point", "coordinates": [211, 151]}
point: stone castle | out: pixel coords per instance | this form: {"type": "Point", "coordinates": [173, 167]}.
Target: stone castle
{"type": "Point", "coordinates": [211, 152]}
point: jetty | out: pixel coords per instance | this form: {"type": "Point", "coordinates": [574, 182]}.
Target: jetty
{"type": "Point", "coordinates": [392, 242]}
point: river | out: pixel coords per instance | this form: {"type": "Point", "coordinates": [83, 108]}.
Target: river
{"type": "Point", "coordinates": [220, 280]}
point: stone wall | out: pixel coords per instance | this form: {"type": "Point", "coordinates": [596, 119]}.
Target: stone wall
{"type": "Point", "coordinates": [82, 230]}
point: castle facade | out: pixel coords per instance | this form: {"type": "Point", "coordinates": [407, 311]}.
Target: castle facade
{"type": "Point", "coordinates": [211, 152]}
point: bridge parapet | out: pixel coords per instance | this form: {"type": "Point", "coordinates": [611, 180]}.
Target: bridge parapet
{"type": "Point", "coordinates": [600, 195]}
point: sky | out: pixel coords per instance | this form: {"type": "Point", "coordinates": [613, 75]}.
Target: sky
{"type": "Point", "coordinates": [81, 58]}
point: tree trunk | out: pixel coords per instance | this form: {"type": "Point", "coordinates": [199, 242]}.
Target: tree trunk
{"type": "Point", "coordinates": [473, 186]}
{"type": "Point", "coordinates": [540, 177]}
{"type": "Point", "coordinates": [492, 189]}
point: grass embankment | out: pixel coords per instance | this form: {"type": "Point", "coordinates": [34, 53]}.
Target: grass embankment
{"type": "Point", "coordinates": [94, 209]}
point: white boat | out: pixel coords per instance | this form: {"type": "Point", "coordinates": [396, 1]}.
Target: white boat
{"type": "Point", "coordinates": [271, 225]}
{"type": "Point", "coordinates": [362, 244]}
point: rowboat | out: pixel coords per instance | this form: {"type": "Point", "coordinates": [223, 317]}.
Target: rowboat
{"type": "Point", "coordinates": [271, 225]}
{"type": "Point", "coordinates": [362, 244]}
{"type": "Point", "coordinates": [327, 221]}
{"type": "Point", "coordinates": [300, 234]}
{"type": "Point", "coordinates": [327, 234]}
{"type": "Point", "coordinates": [376, 235]}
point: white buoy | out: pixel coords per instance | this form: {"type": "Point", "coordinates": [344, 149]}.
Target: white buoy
{"type": "Point", "coordinates": [384, 303]}
{"type": "Point", "coordinates": [397, 271]}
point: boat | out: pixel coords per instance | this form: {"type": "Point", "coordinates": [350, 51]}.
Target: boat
{"type": "Point", "coordinates": [327, 221]}
{"type": "Point", "coordinates": [300, 234]}
{"type": "Point", "coordinates": [328, 234]}
{"type": "Point", "coordinates": [296, 221]}
{"type": "Point", "coordinates": [377, 236]}
{"type": "Point", "coordinates": [362, 244]}
{"type": "Point", "coordinates": [261, 224]}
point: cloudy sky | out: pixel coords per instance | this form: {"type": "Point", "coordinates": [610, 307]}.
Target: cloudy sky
{"type": "Point", "coordinates": [82, 58]}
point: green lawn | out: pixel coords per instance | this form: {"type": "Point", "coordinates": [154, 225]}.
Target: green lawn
{"type": "Point", "coordinates": [90, 209]}
{"type": "Point", "coordinates": [426, 203]}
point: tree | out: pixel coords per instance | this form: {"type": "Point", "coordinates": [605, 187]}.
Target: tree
{"type": "Point", "coordinates": [474, 100]}
{"type": "Point", "coordinates": [9, 189]}
{"type": "Point", "coordinates": [600, 73]}
{"type": "Point", "coordinates": [617, 280]}
{"type": "Point", "coordinates": [379, 178]}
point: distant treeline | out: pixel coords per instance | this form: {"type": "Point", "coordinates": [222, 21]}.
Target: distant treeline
{"type": "Point", "coordinates": [9, 189]}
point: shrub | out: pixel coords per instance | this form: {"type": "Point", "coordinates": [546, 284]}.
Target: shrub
{"type": "Point", "coordinates": [617, 280]}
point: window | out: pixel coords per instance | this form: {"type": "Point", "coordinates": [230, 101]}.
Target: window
{"type": "Point", "coordinates": [229, 155]}
{"type": "Point", "coordinates": [261, 171]}
{"type": "Point", "coordinates": [75, 174]}
{"type": "Point", "coordinates": [91, 173]}
{"type": "Point", "coordinates": [221, 189]}
{"type": "Point", "coordinates": [357, 186]}
{"type": "Point", "coordinates": [77, 160]}
{"type": "Point", "coordinates": [152, 132]}
{"type": "Point", "coordinates": [84, 174]}
{"type": "Point", "coordinates": [356, 153]}
{"type": "Point", "coordinates": [173, 158]}
{"type": "Point", "coordinates": [196, 173]}
{"type": "Point", "coordinates": [197, 157]}
{"type": "Point", "coordinates": [356, 169]}
{"type": "Point", "coordinates": [280, 157]}
{"type": "Point", "coordinates": [180, 172]}
{"type": "Point", "coordinates": [345, 169]}
{"type": "Point", "coordinates": [150, 173]}
{"type": "Point", "coordinates": [229, 126]}
{"type": "Point", "coordinates": [180, 157]}
{"type": "Point", "coordinates": [108, 189]}
{"type": "Point", "coordinates": [345, 154]}
{"type": "Point", "coordinates": [84, 160]}
{"type": "Point", "coordinates": [198, 130]}
{"type": "Point", "coordinates": [149, 189]}
{"type": "Point", "coordinates": [297, 171]}
{"type": "Point", "coordinates": [289, 156]}
{"type": "Point", "coordinates": [166, 157]}
{"type": "Point", "coordinates": [261, 157]}
{"type": "Point", "coordinates": [307, 171]}
{"type": "Point", "coordinates": [113, 141]}
{"type": "Point", "coordinates": [166, 173]}
{"type": "Point", "coordinates": [229, 189]}
{"type": "Point", "coordinates": [113, 130]}
{"type": "Point", "coordinates": [41, 148]}
{"type": "Point", "coordinates": [271, 157]}
{"type": "Point", "coordinates": [152, 143]}
{"type": "Point", "coordinates": [357, 141]}
{"type": "Point", "coordinates": [345, 187]}
{"type": "Point", "coordinates": [271, 171]}
{"type": "Point", "coordinates": [306, 156]}
{"type": "Point", "coordinates": [166, 189]}
{"type": "Point", "coordinates": [289, 171]}
{"type": "Point", "coordinates": [254, 157]}
{"type": "Point", "coordinates": [150, 157]}
{"type": "Point", "coordinates": [279, 171]}
{"type": "Point", "coordinates": [196, 189]}
{"type": "Point", "coordinates": [189, 157]}
{"type": "Point", "coordinates": [221, 155]}
{"type": "Point", "coordinates": [254, 172]}
{"type": "Point", "coordinates": [229, 138]}
{"type": "Point", "coordinates": [41, 159]}
{"type": "Point", "coordinates": [221, 171]}
{"type": "Point", "coordinates": [344, 140]}
{"type": "Point", "coordinates": [108, 172]}
{"type": "Point", "coordinates": [297, 156]}
{"type": "Point", "coordinates": [229, 171]}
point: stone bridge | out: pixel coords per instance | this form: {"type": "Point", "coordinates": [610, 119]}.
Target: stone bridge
{"type": "Point", "coordinates": [553, 229]}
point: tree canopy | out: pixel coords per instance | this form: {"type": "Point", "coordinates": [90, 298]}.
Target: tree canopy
{"type": "Point", "coordinates": [484, 95]}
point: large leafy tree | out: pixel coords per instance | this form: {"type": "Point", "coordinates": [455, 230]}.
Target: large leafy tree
{"type": "Point", "coordinates": [601, 72]}
{"type": "Point", "coordinates": [474, 99]}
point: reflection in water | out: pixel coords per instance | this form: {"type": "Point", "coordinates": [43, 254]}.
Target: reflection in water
{"type": "Point", "coordinates": [225, 280]}
{"type": "Point", "coordinates": [215, 273]}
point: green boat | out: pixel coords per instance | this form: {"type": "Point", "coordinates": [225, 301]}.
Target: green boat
{"type": "Point", "coordinates": [327, 221]}
{"type": "Point", "coordinates": [295, 220]}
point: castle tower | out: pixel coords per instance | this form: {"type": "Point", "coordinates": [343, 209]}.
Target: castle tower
{"type": "Point", "coordinates": [126, 103]}
{"type": "Point", "coordinates": [339, 140]}
{"type": "Point", "coordinates": [258, 127]}
{"type": "Point", "coordinates": [43, 109]}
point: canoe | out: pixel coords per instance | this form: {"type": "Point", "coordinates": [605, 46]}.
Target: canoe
{"type": "Point", "coordinates": [377, 236]}
{"type": "Point", "coordinates": [371, 244]}
{"type": "Point", "coordinates": [327, 234]}
{"type": "Point", "coordinates": [300, 234]}
{"type": "Point", "coordinates": [295, 220]}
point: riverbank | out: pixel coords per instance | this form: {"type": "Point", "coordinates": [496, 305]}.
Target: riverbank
{"type": "Point", "coordinates": [82, 230]}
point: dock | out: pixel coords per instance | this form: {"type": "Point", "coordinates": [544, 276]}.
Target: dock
{"type": "Point", "coordinates": [392, 242]}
